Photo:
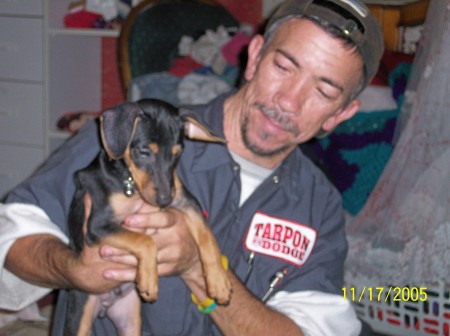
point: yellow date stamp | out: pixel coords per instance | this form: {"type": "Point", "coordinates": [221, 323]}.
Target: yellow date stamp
{"type": "Point", "coordinates": [386, 294]}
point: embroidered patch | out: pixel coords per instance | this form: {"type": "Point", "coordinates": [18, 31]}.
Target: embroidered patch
{"type": "Point", "coordinates": [280, 238]}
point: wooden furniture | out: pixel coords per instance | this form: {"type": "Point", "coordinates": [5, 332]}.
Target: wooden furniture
{"type": "Point", "coordinates": [391, 17]}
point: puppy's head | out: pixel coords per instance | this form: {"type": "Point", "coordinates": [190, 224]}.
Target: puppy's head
{"type": "Point", "coordinates": [148, 136]}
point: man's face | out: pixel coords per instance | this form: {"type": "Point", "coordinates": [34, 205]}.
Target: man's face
{"type": "Point", "coordinates": [296, 87]}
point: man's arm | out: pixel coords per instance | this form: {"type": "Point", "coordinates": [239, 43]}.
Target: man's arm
{"type": "Point", "coordinates": [18, 221]}
{"type": "Point", "coordinates": [48, 262]}
{"type": "Point", "coordinates": [246, 314]}
{"type": "Point", "coordinates": [45, 260]}
{"type": "Point", "coordinates": [40, 259]}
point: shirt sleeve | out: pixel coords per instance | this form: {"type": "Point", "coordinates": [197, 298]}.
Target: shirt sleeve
{"type": "Point", "coordinates": [20, 220]}
{"type": "Point", "coordinates": [318, 313]}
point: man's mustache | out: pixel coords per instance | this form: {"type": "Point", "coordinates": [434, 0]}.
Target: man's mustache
{"type": "Point", "coordinates": [279, 117]}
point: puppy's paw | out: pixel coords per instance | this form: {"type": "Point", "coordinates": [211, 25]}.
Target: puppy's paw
{"type": "Point", "coordinates": [149, 295]}
{"type": "Point", "coordinates": [219, 287]}
{"type": "Point", "coordinates": [147, 286]}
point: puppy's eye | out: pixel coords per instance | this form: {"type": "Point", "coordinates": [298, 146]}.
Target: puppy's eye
{"type": "Point", "coordinates": [141, 151]}
{"type": "Point", "coordinates": [144, 151]}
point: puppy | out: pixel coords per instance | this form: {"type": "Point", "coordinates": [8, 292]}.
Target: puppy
{"type": "Point", "coordinates": [141, 145]}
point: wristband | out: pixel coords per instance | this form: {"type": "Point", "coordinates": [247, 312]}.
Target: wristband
{"type": "Point", "coordinates": [204, 304]}
{"type": "Point", "coordinates": [224, 263]}
{"type": "Point", "coordinates": [208, 305]}
{"type": "Point", "coordinates": [205, 307]}
{"type": "Point", "coordinates": [207, 310]}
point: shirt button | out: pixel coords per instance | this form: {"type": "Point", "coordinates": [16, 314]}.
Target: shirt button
{"type": "Point", "coordinates": [235, 168]}
{"type": "Point", "coordinates": [276, 179]}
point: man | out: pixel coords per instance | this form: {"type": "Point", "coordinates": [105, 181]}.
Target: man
{"type": "Point", "coordinates": [272, 211]}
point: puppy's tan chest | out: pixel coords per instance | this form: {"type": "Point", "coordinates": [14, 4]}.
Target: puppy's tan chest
{"type": "Point", "coordinates": [123, 205]}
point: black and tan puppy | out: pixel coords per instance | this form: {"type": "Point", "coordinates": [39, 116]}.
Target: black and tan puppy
{"type": "Point", "coordinates": [142, 143]}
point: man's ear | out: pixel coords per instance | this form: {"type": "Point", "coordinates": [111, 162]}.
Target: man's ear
{"type": "Point", "coordinates": [254, 55]}
{"type": "Point", "coordinates": [341, 115]}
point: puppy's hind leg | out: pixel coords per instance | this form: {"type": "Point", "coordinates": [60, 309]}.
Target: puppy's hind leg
{"type": "Point", "coordinates": [126, 314]}
{"type": "Point", "coordinates": [79, 314]}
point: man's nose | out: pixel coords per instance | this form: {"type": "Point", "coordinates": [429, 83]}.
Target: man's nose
{"type": "Point", "coordinates": [290, 97]}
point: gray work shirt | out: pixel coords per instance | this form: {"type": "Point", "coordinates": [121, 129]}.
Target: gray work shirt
{"type": "Point", "coordinates": [294, 219]}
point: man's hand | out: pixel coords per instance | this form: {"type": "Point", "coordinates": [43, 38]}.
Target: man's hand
{"type": "Point", "coordinates": [177, 251]}
{"type": "Point", "coordinates": [45, 260]}
{"type": "Point", "coordinates": [89, 271]}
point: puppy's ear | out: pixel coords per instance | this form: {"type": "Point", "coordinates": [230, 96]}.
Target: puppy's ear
{"type": "Point", "coordinates": [195, 130]}
{"type": "Point", "coordinates": [117, 127]}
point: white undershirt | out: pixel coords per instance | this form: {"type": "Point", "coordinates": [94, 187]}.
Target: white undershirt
{"type": "Point", "coordinates": [251, 175]}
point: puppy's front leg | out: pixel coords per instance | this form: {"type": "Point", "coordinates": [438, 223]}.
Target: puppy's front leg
{"type": "Point", "coordinates": [144, 249]}
{"type": "Point", "coordinates": [90, 310]}
{"type": "Point", "coordinates": [217, 280]}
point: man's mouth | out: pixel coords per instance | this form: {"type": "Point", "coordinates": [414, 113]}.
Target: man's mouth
{"type": "Point", "coordinates": [279, 118]}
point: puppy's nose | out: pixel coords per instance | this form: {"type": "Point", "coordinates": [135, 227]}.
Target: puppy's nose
{"type": "Point", "coordinates": [164, 200]}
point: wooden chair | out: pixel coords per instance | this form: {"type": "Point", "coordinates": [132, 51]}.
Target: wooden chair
{"type": "Point", "coordinates": [151, 32]}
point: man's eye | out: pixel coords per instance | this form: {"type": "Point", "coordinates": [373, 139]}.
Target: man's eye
{"type": "Point", "coordinates": [324, 94]}
{"type": "Point", "coordinates": [280, 66]}
{"type": "Point", "coordinates": [327, 94]}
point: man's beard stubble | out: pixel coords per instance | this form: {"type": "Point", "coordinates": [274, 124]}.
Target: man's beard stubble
{"type": "Point", "coordinates": [281, 119]}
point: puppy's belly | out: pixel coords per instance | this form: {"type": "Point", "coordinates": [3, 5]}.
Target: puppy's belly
{"type": "Point", "coordinates": [107, 300]}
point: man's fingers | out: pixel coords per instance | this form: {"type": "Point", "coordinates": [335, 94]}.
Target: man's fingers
{"type": "Point", "coordinates": [129, 260]}
{"type": "Point", "coordinates": [155, 220]}
{"type": "Point", "coordinates": [109, 251]}
{"type": "Point", "coordinates": [118, 256]}
{"type": "Point", "coordinates": [120, 275]}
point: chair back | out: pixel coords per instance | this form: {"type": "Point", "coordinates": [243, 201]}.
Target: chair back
{"type": "Point", "coordinates": [150, 34]}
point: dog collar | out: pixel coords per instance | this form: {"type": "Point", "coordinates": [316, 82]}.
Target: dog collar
{"type": "Point", "coordinates": [128, 186]}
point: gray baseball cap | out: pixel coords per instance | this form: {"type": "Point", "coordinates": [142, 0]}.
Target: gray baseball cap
{"type": "Point", "coordinates": [352, 17]}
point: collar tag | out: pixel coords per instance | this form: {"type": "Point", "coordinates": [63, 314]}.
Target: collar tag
{"type": "Point", "coordinates": [280, 238]}
{"type": "Point", "coordinates": [128, 186]}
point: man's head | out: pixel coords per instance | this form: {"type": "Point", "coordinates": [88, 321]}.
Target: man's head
{"type": "Point", "coordinates": [349, 20]}
{"type": "Point", "coordinates": [302, 77]}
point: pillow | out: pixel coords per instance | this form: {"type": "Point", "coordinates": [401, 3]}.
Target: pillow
{"type": "Point", "coordinates": [355, 154]}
